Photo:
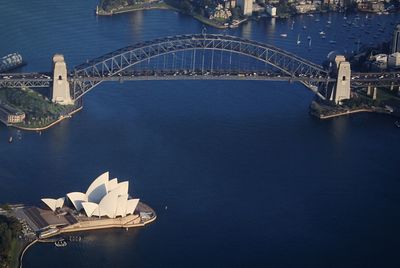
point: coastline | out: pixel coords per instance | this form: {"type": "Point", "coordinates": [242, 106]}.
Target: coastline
{"type": "Point", "coordinates": [61, 118]}
{"type": "Point", "coordinates": [348, 112]}
{"type": "Point", "coordinates": [165, 6]}
{"type": "Point", "coordinates": [24, 250]}
{"type": "Point", "coordinates": [131, 221]}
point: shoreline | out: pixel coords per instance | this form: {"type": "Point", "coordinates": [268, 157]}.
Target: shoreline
{"type": "Point", "coordinates": [348, 112]}
{"type": "Point", "coordinates": [130, 221]}
{"type": "Point", "coordinates": [165, 6]}
{"type": "Point", "coordinates": [21, 256]}
{"type": "Point", "coordinates": [61, 118]}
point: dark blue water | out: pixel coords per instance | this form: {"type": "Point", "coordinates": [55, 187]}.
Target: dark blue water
{"type": "Point", "coordinates": [249, 177]}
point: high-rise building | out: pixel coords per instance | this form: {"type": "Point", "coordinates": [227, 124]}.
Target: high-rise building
{"type": "Point", "coordinates": [247, 7]}
{"type": "Point", "coordinates": [396, 39]}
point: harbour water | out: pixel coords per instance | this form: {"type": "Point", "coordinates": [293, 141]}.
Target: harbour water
{"type": "Point", "coordinates": [239, 173]}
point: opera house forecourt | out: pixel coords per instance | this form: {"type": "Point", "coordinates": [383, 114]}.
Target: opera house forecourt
{"type": "Point", "coordinates": [105, 204]}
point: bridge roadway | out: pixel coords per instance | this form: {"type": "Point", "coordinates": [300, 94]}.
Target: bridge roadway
{"type": "Point", "coordinates": [38, 80]}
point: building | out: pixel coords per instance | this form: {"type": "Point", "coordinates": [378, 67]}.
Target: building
{"type": "Point", "coordinates": [271, 10]}
{"type": "Point", "coordinates": [396, 39]}
{"type": "Point", "coordinates": [381, 61]}
{"type": "Point", "coordinates": [394, 60]}
{"type": "Point", "coordinates": [10, 115]}
{"type": "Point", "coordinates": [103, 198]}
{"type": "Point", "coordinates": [246, 6]}
{"type": "Point", "coordinates": [305, 8]}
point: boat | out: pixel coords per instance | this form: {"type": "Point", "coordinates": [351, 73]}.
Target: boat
{"type": "Point", "coordinates": [397, 123]}
{"type": "Point", "coordinates": [308, 37]}
{"type": "Point", "coordinates": [292, 25]}
{"type": "Point", "coordinates": [322, 33]}
{"type": "Point", "coordinates": [10, 140]}
{"type": "Point", "coordinates": [283, 35]}
{"type": "Point", "coordinates": [332, 41]}
{"type": "Point", "coordinates": [317, 20]}
{"type": "Point", "coordinates": [60, 243]}
{"type": "Point", "coordinates": [298, 39]}
{"type": "Point", "coordinates": [304, 27]}
{"type": "Point", "coordinates": [10, 62]}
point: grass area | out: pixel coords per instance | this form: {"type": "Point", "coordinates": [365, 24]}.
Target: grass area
{"type": "Point", "coordinates": [16, 248]}
{"type": "Point", "coordinates": [134, 7]}
{"type": "Point", "coordinates": [39, 110]}
{"type": "Point", "coordinates": [10, 229]}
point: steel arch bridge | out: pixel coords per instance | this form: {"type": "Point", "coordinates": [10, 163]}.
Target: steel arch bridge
{"type": "Point", "coordinates": [86, 76]}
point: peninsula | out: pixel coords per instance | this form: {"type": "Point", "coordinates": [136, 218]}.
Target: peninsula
{"type": "Point", "coordinates": [105, 204]}
{"type": "Point", "coordinates": [27, 109]}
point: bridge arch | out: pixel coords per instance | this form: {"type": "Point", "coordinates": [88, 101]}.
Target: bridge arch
{"type": "Point", "coordinates": [115, 62]}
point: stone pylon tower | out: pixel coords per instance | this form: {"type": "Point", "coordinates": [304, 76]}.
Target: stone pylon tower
{"type": "Point", "coordinates": [342, 88]}
{"type": "Point", "coordinates": [61, 92]}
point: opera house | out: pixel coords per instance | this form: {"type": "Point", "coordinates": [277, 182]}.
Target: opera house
{"type": "Point", "coordinates": [105, 204]}
{"type": "Point", "coordinates": [103, 198]}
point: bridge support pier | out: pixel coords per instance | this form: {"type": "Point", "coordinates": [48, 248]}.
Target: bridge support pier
{"type": "Point", "coordinates": [342, 88]}
{"type": "Point", "coordinates": [369, 90]}
{"type": "Point", "coordinates": [374, 93]}
{"type": "Point", "coordinates": [61, 91]}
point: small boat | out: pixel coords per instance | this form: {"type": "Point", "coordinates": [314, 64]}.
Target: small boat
{"type": "Point", "coordinates": [10, 140]}
{"type": "Point", "coordinates": [317, 20]}
{"type": "Point", "coordinates": [332, 41]}
{"type": "Point", "coordinates": [298, 39]}
{"type": "Point", "coordinates": [60, 243]}
{"type": "Point", "coordinates": [283, 35]}
{"type": "Point", "coordinates": [397, 123]}
{"type": "Point", "coordinates": [322, 33]}
{"type": "Point", "coordinates": [329, 22]}
{"type": "Point", "coordinates": [304, 27]}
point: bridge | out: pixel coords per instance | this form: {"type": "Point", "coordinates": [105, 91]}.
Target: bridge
{"type": "Point", "coordinates": [199, 56]}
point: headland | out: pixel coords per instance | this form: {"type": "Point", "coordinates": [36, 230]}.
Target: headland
{"type": "Point", "coordinates": [106, 204]}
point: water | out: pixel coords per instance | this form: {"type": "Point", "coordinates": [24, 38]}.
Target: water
{"type": "Point", "coordinates": [249, 177]}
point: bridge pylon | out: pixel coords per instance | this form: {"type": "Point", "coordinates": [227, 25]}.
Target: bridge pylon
{"type": "Point", "coordinates": [61, 91]}
{"type": "Point", "coordinates": [342, 88]}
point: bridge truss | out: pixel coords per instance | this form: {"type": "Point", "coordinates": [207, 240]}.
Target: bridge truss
{"type": "Point", "coordinates": [90, 74]}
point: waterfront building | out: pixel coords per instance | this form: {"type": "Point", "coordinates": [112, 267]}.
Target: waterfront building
{"type": "Point", "coordinates": [396, 39]}
{"type": "Point", "coordinates": [104, 197]}
{"type": "Point", "coordinates": [246, 6]}
{"type": "Point", "coordinates": [10, 115]}
{"type": "Point", "coordinates": [394, 60]}
{"type": "Point", "coordinates": [271, 10]}
{"type": "Point", "coordinates": [380, 62]}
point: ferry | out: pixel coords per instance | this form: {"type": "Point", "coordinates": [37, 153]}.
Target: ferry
{"type": "Point", "coordinates": [10, 62]}
{"type": "Point", "coordinates": [60, 243]}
